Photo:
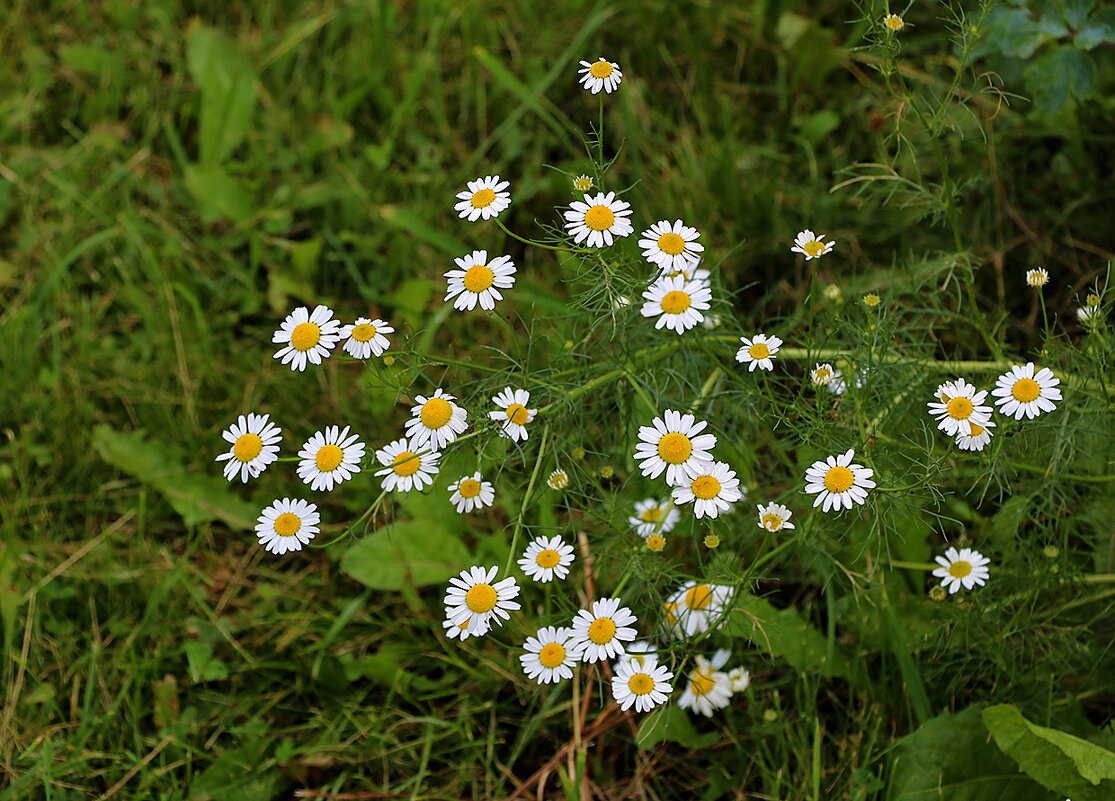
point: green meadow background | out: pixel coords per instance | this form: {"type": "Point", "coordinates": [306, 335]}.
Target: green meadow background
{"type": "Point", "coordinates": [176, 177]}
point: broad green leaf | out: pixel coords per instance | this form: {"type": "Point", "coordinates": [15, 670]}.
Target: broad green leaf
{"type": "Point", "coordinates": [671, 724]}
{"type": "Point", "coordinates": [225, 77]}
{"type": "Point", "coordinates": [782, 632]}
{"type": "Point", "coordinates": [1014, 32]}
{"type": "Point", "coordinates": [217, 193]}
{"type": "Point", "coordinates": [203, 665]}
{"type": "Point", "coordinates": [415, 553]}
{"type": "Point", "coordinates": [1074, 12]}
{"type": "Point", "coordinates": [1053, 76]}
{"type": "Point", "coordinates": [1100, 29]}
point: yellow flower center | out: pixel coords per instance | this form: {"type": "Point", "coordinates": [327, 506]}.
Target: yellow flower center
{"type": "Point", "coordinates": [551, 655]}
{"type": "Point", "coordinates": [976, 430]}
{"type": "Point", "coordinates": [871, 300]}
{"type": "Point", "coordinates": [758, 351]}
{"type": "Point", "coordinates": [772, 522]}
{"type": "Point", "coordinates": [674, 448]}
{"type": "Point", "coordinates": [478, 278]}
{"type": "Point", "coordinates": [698, 597]}
{"type": "Point", "coordinates": [706, 487]}
{"type": "Point", "coordinates": [481, 598]}
{"type": "Point", "coordinates": [469, 488]}
{"type": "Point", "coordinates": [959, 408]}
{"type": "Point", "coordinates": [548, 558]}
{"type": "Point", "coordinates": [484, 198]}
{"type": "Point", "coordinates": [640, 683]}
{"type": "Point", "coordinates": [894, 23]}
{"type": "Point", "coordinates": [652, 515]}
{"type": "Point", "coordinates": [671, 244]}
{"type": "Point", "coordinates": [287, 524]}
{"type": "Point", "coordinates": [406, 464]}
{"type": "Point", "coordinates": [821, 376]}
{"type": "Point", "coordinates": [700, 682]}
{"type": "Point", "coordinates": [582, 183]}
{"type": "Point", "coordinates": [656, 542]}
{"type": "Point", "coordinates": [328, 457]}
{"type": "Point", "coordinates": [602, 630]}
{"type": "Point", "coordinates": [601, 69]}
{"type": "Point", "coordinates": [1025, 390]}
{"type": "Point", "coordinates": [436, 413]}
{"type": "Point", "coordinates": [814, 248]}
{"type": "Point", "coordinates": [364, 332]}
{"type": "Point", "coordinates": [839, 479]}
{"type": "Point", "coordinates": [517, 414]}
{"type": "Point", "coordinates": [305, 336]}
{"type": "Point", "coordinates": [599, 218]}
{"type": "Point", "coordinates": [247, 447]}
{"type": "Point", "coordinates": [675, 302]}
{"type": "Point", "coordinates": [960, 569]}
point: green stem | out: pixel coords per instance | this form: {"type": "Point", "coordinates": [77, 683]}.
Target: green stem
{"type": "Point", "coordinates": [526, 499]}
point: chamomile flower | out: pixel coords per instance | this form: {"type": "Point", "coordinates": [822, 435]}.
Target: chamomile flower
{"type": "Point", "coordinates": [436, 420]}
{"type": "Point", "coordinates": [673, 443]}
{"type": "Point", "coordinates": [965, 568]}
{"type": "Point", "coordinates": [758, 351]}
{"type": "Point", "coordinates": [329, 457]}
{"type": "Point", "coordinates": [676, 302]}
{"type": "Point", "coordinates": [287, 525]}
{"type": "Point", "coordinates": [307, 336]}
{"type": "Point", "coordinates": [470, 493]}
{"type": "Point", "coordinates": [708, 689]}
{"type": "Point", "coordinates": [774, 517]}
{"type": "Point", "coordinates": [600, 74]}
{"type": "Point", "coordinates": [1089, 314]}
{"type": "Point", "coordinates": [547, 558]}
{"type": "Point", "coordinates": [582, 183]}
{"type": "Point", "coordinates": [688, 272]}
{"type": "Point", "coordinates": [255, 444]}
{"type": "Point", "coordinates": [513, 414]}
{"type": "Point", "coordinates": [811, 246]}
{"type": "Point", "coordinates": [712, 486]}
{"type": "Point", "coordinates": [641, 686]}
{"type": "Point", "coordinates": [963, 409]}
{"type": "Point", "coordinates": [739, 679]}
{"type": "Point", "coordinates": [550, 655]}
{"type": "Point", "coordinates": [1024, 391]}
{"type": "Point", "coordinates": [656, 542]}
{"type": "Point", "coordinates": [1037, 277]}
{"type": "Point", "coordinates": [671, 247]}
{"type": "Point", "coordinates": [839, 482]}
{"type": "Point", "coordinates": [654, 517]}
{"type": "Point", "coordinates": [599, 633]}
{"type": "Point", "coordinates": [477, 598]}
{"type": "Point", "coordinates": [823, 374]}
{"type": "Point", "coordinates": [978, 438]}
{"type": "Point", "coordinates": [640, 652]}
{"type": "Point", "coordinates": [407, 466]}
{"type": "Point", "coordinates": [485, 197]}
{"type": "Point", "coordinates": [695, 608]}
{"type": "Point", "coordinates": [460, 630]}
{"type": "Point", "coordinates": [479, 280]}
{"type": "Point", "coordinates": [558, 480]}
{"type": "Point", "coordinates": [893, 23]}
{"type": "Point", "coordinates": [598, 220]}
{"type": "Point", "coordinates": [365, 338]}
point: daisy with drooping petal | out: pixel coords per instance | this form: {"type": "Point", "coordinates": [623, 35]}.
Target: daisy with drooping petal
{"type": "Point", "coordinates": [677, 303]}
{"type": "Point", "coordinates": [365, 338]}
{"type": "Point", "coordinates": [550, 655]}
{"type": "Point", "coordinates": [978, 439]}
{"type": "Point", "coordinates": [810, 246]}
{"type": "Point", "coordinates": [513, 415]}
{"type": "Point", "coordinates": [599, 633]}
{"type": "Point", "coordinates": [671, 247]}
{"type": "Point", "coordinates": [600, 74]}
{"type": "Point", "coordinates": [962, 410]}
{"type": "Point", "coordinates": [774, 517]}
{"type": "Point", "coordinates": [1089, 313]}
{"type": "Point", "coordinates": [673, 443]}
{"type": "Point", "coordinates": [477, 598]}
{"type": "Point", "coordinates": [479, 280]}
{"type": "Point", "coordinates": [641, 652]}
{"type": "Point", "coordinates": [641, 686]}
{"type": "Point", "coordinates": [712, 486]}
{"type": "Point", "coordinates": [739, 679]}
{"type": "Point", "coordinates": [1023, 391]}
{"type": "Point", "coordinates": [709, 689]}
{"type": "Point", "coordinates": [471, 493]}
{"type": "Point", "coordinates": [547, 558]}
{"type": "Point", "coordinates": [839, 482]}
{"type": "Point", "coordinates": [758, 351]}
{"type": "Point", "coordinates": [436, 420]}
{"type": "Point", "coordinates": [460, 630]}
{"type": "Point", "coordinates": [254, 446]}
{"type": "Point", "coordinates": [558, 480]}
{"type": "Point", "coordinates": [695, 608]}
{"type": "Point", "coordinates": [485, 197]}
{"type": "Point", "coordinates": [1038, 277]}
{"type": "Point", "coordinates": [287, 525]}
{"type": "Point", "coordinates": [329, 457]}
{"type": "Point", "coordinates": [654, 517]}
{"type": "Point", "coordinates": [307, 336]}
{"type": "Point", "coordinates": [965, 568]}
{"type": "Point", "coordinates": [598, 220]}
{"type": "Point", "coordinates": [407, 466]}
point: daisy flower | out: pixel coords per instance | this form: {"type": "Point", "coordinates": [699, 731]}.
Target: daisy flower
{"type": "Point", "coordinates": [977, 440]}
{"type": "Point", "coordinates": [671, 247]}
{"type": "Point", "coordinates": [656, 542]}
{"type": "Point", "coordinates": [654, 517]}
{"type": "Point", "coordinates": [673, 443]}
{"type": "Point", "coordinates": [513, 414]}
{"type": "Point", "coordinates": [365, 338]}
{"type": "Point", "coordinates": [640, 652]}
{"type": "Point", "coordinates": [308, 337]}
{"type": "Point", "coordinates": [484, 197]}
{"type": "Point", "coordinates": [712, 486]}
{"type": "Point", "coordinates": [471, 493]}
{"type": "Point", "coordinates": [758, 351]}
{"type": "Point", "coordinates": [641, 686]}
{"type": "Point", "coordinates": [1088, 314]}
{"type": "Point", "coordinates": [460, 630]}
{"type": "Point", "coordinates": [695, 608]}
{"type": "Point", "coordinates": [582, 183]}
{"type": "Point", "coordinates": [600, 633]}
{"type": "Point", "coordinates": [965, 568]}
{"type": "Point", "coordinates": [1037, 277]}
{"type": "Point", "coordinates": [824, 374]}
{"type": "Point", "coordinates": [811, 246]}
{"type": "Point", "coordinates": [436, 420]}
{"type": "Point", "coordinates": [254, 446]}
{"type": "Point", "coordinates": [893, 23]}
{"type": "Point", "coordinates": [708, 689]}
{"type": "Point", "coordinates": [839, 482]}
{"type": "Point", "coordinates": [547, 558]}
{"type": "Point", "coordinates": [600, 74]}
{"type": "Point", "coordinates": [558, 480]}
{"type": "Point", "coordinates": [474, 597]}
{"type": "Point", "coordinates": [287, 525]}
{"type": "Point", "coordinates": [405, 467]}
{"type": "Point", "coordinates": [329, 457]}
{"type": "Point", "coordinates": [1023, 391]}
{"type": "Point", "coordinates": [676, 302]}
{"type": "Point", "coordinates": [689, 273]}
{"type": "Point", "coordinates": [550, 655]}
{"type": "Point", "coordinates": [739, 679]}
{"type": "Point", "coordinates": [774, 517]}
{"type": "Point", "coordinates": [962, 410]}
{"type": "Point", "coordinates": [479, 280]}
{"type": "Point", "coordinates": [598, 220]}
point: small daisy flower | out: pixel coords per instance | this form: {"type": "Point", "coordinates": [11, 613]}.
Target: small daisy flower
{"type": "Point", "coordinates": [287, 525]}
{"type": "Point", "coordinates": [963, 409]}
{"type": "Point", "coordinates": [676, 302]}
{"type": "Point", "coordinates": [839, 482]}
{"type": "Point", "coordinates": [673, 443]}
{"type": "Point", "coordinates": [600, 74]}
{"type": "Point", "coordinates": [460, 630]}
{"type": "Point", "coordinates": [758, 351]}
{"type": "Point", "coordinates": [558, 480]}
{"type": "Point", "coordinates": [739, 679]}
{"type": "Point", "coordinates": [479, 280]}
{"type": "Point", "coordinates": [471, 493]}
{"type": "Point", "coordinates": [640, 652]}
{"type": "Point", "coordinates": [582, 183]}
{"type": "Point", "coordinates": [979, 437]}
{"type": "Point", "coordinates": [547, 558]}
{"type": "Point", "coordinates": [654, 517]}
{"type": "Point", "coordinates": [712, 486]}
{"type": "Point", "coordinates": [965, 568]}
{"type": "Point", "coordinates": [774, 517]}
{"type": "Point", "coordinates": [476, 598]}
{"type": "Point", "coordinates": [822, 375]}
{"type": "Point", "coordinates": [550, 655]}
{"type": "Point", "coordinates": [598, 220]}
{"type": "Point", "coordinates": [810, 246]}
{"type": "Point", "coordinates": [643, 687]}
{"type": "Point", "coordinates": [893, 23]}
{"type": "Point", "coordinates": [365, 338]}
{"type": "Point", "coordinates": [513, 415]}
{"type": "Point", "coordinates": [656, 542]}
{"type": "Point", "coordinates": [833, 293]}
{"type": "Point", "coordinates": [871, 300]}
{"type": "Point", "coordinates": [600, 632]}
{"type": "Point", "coordinates": [1023, 391]}
{"type": "Point", "coordinates": [708, 689]}
{"type": "Point", "coordinates": [254, 446]}
{"type": "Point", "coordinates": [307, 336]}
{"type": "Point", "coordinates": [695, 608]}
{"type": "Point", "coordinates": [484, 197]}
{"type": "Point", "coordinates": [671, 247]}
{"type": "Point", "coordinates": [436, 420]}
{"type": "Point", "coordinates": [1037, 277]}
{"type": "Point", "coordinates": [329, 457]}
{"type": "Point", "coordinates": [689, 273]}
{"type": "Point", "coordinates": [407, 466]}
{"type": "Point", "coordinates": [1089, 314]}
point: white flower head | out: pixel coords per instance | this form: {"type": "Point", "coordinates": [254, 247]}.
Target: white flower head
{"type": "Point", "coordinates": [774, 517]}
{"type": "Point", "coordinates": [673, 443]}
{"type": "Point", "coordinates": [307, 336]}
{"type": "Point", "coordinates": [598, 220]}
{"type": "Point", "coordinates": [547, 558]}
{"type": "Point", "coordinates": [329, 457]}
{"type": "Point", "coordinates": [1024, 391]}
{"type": "Point", "coordinates": [678, 303]}
{"type": "Point", "coordinates": [1089, 315]}
{"type": "Point", "coordinates": [695, 608]}
{"type": "Point", "coordinates": [654, 517]}
{"type": "Point", "coordinates": [671, 247]}
{"type": "Point", "coordinates": [365, 338]}
{"type": "Point", "coordinates": [287, 525]}
{"type": "Point", "coordinates": [758, 351]}
{"type": "Point", "coordinates": [965, 568]}
{"type": "Point", "coordinates": [712, 486]}
{"type": "Point", "coordinates": [1037, 277]}
{"type": "Point", "coordinates": [255, 444]}
{"type": "Point", "coordinates": [708, 689]}
{"type": "Point", "coordinates": [811, 246]}
{"type": "Point", "coordinates": [550, 655]}
{"type": "Point", "coordinates": [407, 466]}
{"type": "Point", "coordinates": [475, 597]}
{"type": "Point", "coordinates": [601, 631]}
{"type": "Point", "coordinates": [893, 23]}
{"type": "Point", "coordinates": [739, 679]}
{"type": "Point", "coordinates": [558, 480]}
{"type": "Point", "coordinates": [641, 652]}
{"type": "Point", "coordinates": [978, 439]}
{"type": "Point", "coordinates": [825, 375]}
{"type": "Point", "coordinates": [479, 280]}
{"type": "Point", "coordinates": [839, 482]}
{"type": "Point", "coordinates": [600, 74]}
{"type": "Point", "coordinates": [963, 409]}
{"type": "Point", "coordinates": [470, 493]}
{"type": "Point", "coordinates": [641, 686]}
{"type": "Point", "coordinates": [513, 414]}
{"type": "Point", "coordinates": [484, 198]}
{"type": "Point", "coordinates": [436, 420]}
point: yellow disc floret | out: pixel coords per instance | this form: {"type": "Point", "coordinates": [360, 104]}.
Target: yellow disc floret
{"type": "Point", "coordinates": [698, 597]}
{"type": "Point", "coordinates": [959, 408]}
{"type": "Point", "coordinates": [551, 655]}
{"type": "Point", "coordinates": [1025, 390]}
{"type": "Point", "coordinates": [436, 412]}
{"type": "Point", "coordinates": [305, 336]}
{"type": "Point", "coordinates": [839, 479]}
{"type": "Point", "coordinates": [247, 447]}
{"type": "Point", "coordinates": [478, 278]}
{"type": "Point", "coordinates": [758, 351]}
{"type": "Point", "coordinates": [601, 69]}
{"type": "Point", "coordinates": [364, 332]}
{"type": "Point", "coordinates": [640, 683]}
{"type": "Point", "coordinates": [517, 414]}
{"type": "Point", "coordinates": [469, 488]}
{"type": "Point", "coordinates": [328, 458]}
{"type": "Point", "coordinates": [484, 198]}
{"type": "Point", "coordinates": [960, 569]}
{"type": "Point", "coordinates": [481, 598]}
{"type": "Point", "coordinates": [602, 630]}
{"type": "Point", "coordinates": [406, 464]}
{"type": "Point", "coordinates": [675, 302]}
{"type": "Point", "coordinates": [705, 487]}
{"type": "Point", "coordinates": [700, 682]}
{"type": "Point", "coordinates": [674, 448]}
{"type": "Point", "coordinates": [671, 244]}
{"type": "Point", "coordinates": [287, 524]}
{"type": "Point", "coordinates": [547, 558]}
{"type": "Point", "coordinates": [599, 218]}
